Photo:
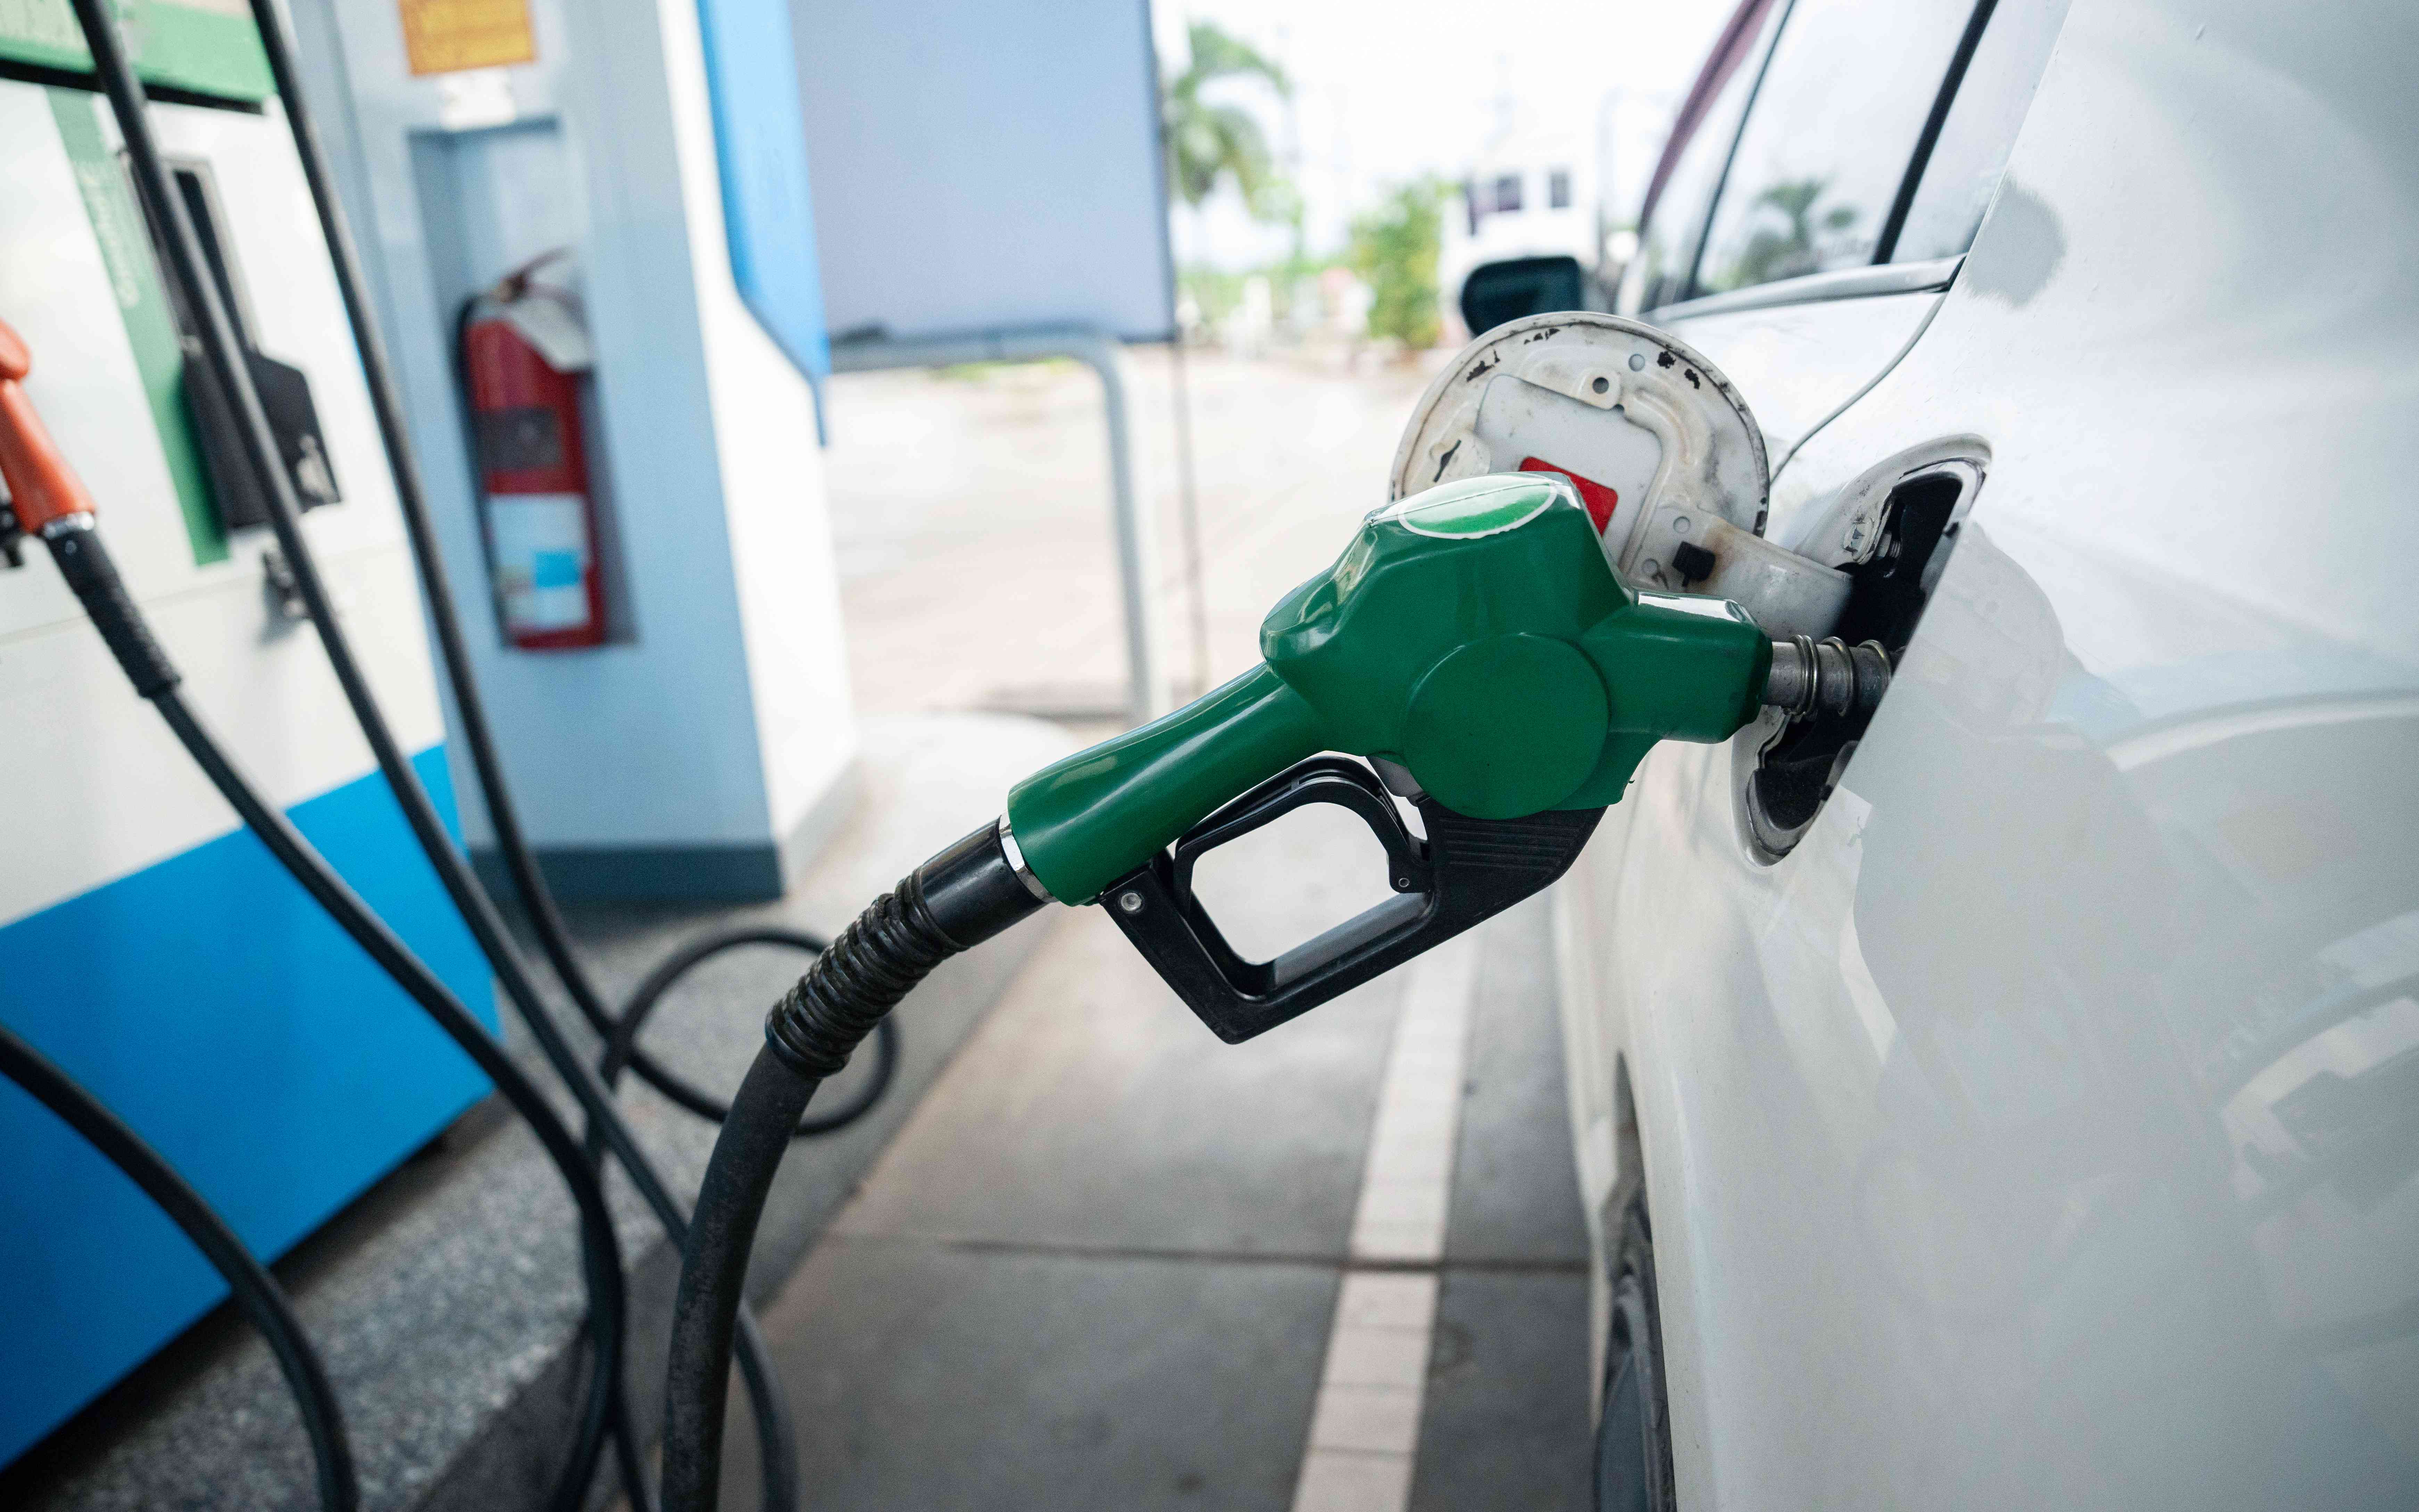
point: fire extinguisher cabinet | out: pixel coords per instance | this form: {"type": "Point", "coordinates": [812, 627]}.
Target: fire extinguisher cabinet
{"type": "Point", "coordinates": [523, 354]}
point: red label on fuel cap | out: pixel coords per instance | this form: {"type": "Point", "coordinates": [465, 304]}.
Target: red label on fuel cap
{"type": "Point", "coordinates": [1600, 501]}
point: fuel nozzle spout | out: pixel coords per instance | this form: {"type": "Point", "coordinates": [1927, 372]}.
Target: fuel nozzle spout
{"type": "Point", "coordinates": [1814, 679]}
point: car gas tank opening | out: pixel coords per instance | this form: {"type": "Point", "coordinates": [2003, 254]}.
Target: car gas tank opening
{"type": "Point", "coordinates": [1889, 536]}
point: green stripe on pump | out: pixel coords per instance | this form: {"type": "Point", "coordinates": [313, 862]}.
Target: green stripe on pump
{"type": "Point", "coordinates": [142, 309]}
{"type": "Point", "coordinates": [44, 33]}
{"type": "Point", "coordinates": [208, 47]}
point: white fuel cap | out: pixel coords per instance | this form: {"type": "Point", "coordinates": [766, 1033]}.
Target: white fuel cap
{"type": "Point", "coordinates": [1661, 446]}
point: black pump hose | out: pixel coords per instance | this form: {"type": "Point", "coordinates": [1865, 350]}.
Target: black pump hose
{"type": "Point", "coordinates": [776, 1434]}
{"type": "Point", "coordinates": [128, 104]}
{"type": "Point", "coordinates": [607, 1298]}
{"type": "Point", "coordinates": [951, 904]}
{"type": "Point", "coordinates": [85, 564]}
{"type": "Point", "coordinates": [621, 1048]}
{"type": "Point", "coordinates": [256, 1293]}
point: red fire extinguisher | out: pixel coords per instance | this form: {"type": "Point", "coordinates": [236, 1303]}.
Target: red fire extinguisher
{"type": "Point", "coordinates": [520, 350]}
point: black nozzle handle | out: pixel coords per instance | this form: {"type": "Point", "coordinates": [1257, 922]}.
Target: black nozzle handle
{"type": "Point", "coordinates": [1465, 872]}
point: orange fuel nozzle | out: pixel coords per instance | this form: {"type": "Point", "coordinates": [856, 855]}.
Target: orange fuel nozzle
{"type": "Point", "coordinates": [42, 489]}
{"type": "Point", "coordinates": [50, 505]}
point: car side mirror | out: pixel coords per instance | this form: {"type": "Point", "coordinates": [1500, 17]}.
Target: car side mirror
{"type": "Point", "coordinates": [1498, 292]}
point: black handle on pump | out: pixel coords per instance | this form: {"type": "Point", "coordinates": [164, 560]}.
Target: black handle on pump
{"type": "Point", "coordinates": [1465, 871]}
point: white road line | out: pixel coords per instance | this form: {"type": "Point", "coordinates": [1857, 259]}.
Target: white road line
{"type": "Point", "coordinates": [1365, 1426]}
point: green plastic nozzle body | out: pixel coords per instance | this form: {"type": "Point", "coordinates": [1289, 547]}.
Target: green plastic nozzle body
{"type": "Point", "coordinates": [1473, 633]}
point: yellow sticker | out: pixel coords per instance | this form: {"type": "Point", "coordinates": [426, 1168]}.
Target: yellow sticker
{"type": "Point", "coordinates": [449, 35]}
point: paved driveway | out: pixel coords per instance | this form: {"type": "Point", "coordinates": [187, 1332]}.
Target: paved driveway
{"type": "Point", "coordinates": [971, 516]}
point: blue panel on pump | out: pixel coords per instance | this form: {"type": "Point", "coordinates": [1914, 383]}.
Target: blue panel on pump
{"type": "Point", "coordinates": [216, 1010]}
{"type": "Point", "coordinates": [761, 143]}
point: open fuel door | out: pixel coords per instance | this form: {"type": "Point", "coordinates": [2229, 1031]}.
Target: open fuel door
{"type": "Point", "coordinates": [1661, 446]}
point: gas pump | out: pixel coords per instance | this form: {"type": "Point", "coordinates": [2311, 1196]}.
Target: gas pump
{"type": "Point", "coordinates": [49, 502]}
{"type": "Point", "coordinates": [122, 883]}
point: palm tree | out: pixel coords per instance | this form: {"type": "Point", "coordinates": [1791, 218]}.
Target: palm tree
{"type": "Point", "coordinates": [1208, 141]}
{"type": "Point", "coordinates": [1395, 251]}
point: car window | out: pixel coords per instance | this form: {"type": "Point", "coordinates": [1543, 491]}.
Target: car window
{"type": "Point", "coordinates": [1675, 223]}
{"type": "Point", "coordinates": [1828, 138]}
{"type": "Point", "coordinates": [1963, 170]}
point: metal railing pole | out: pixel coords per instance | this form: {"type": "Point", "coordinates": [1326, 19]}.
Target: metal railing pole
{"type": "Point", "coordinates": [1136, 544]}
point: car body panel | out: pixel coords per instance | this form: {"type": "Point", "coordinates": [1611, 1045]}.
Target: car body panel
{"type": "Point", "coordinates": [1799, 362]}
{"type": "Point", "coordinates": [2044, 1129]}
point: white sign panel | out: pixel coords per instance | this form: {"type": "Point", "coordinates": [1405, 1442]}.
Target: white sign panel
{"type": "Point", "coordinates": [985, 165]}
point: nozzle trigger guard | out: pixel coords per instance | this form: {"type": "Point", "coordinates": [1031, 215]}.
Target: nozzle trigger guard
{"type": "Point", "coordinates": [1464, 873]}
{"type": "Point", "coordinates": [1319, 780]}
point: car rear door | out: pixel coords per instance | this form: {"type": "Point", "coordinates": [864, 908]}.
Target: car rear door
{"type": "Point", "coordinates": [2027, 1094]}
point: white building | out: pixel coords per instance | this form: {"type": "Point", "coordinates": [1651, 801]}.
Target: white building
{"type": "Point", "coordinates": [1530, 193]}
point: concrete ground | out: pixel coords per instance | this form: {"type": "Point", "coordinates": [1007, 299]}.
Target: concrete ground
{"type": "Point", "coordinates": [1100, 1265]}
{"type": "Point", "coordinates": [971, 513]}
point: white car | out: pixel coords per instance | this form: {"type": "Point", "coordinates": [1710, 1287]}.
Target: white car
{"type": "Point", "coordinates": [2018, 1106]}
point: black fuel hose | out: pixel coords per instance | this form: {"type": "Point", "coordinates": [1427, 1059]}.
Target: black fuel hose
{"type": "Point", "coordinates": [776, 1434]}
{"type": "Point", "coordinates": [601, 1256]}
{"type": "Point", "coordinates": [954, 901]}
{"type": "Point", "coordinates": [256, 1293]}
{"type": "Point", "coordinates": [478, 911]}
{"type": "Point", "coordinates": [608, 1303]}
{"type": "Point", "coordinates": [621, 1048]}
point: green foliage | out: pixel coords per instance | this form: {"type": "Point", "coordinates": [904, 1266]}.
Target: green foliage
{"type": "Point", "coordinates": [1395, 251]}
{"type": "Point", "coordinates": [989, 372]}
{"type": "Point", "coordinates": [1214, 291]}
{"type": "Point", "coordinates": [1217, 291]}
{"type": "Point", "coordinates": [1207, 142]}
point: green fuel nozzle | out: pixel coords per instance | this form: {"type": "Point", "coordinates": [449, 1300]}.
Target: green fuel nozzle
{"type": "Point", "coordinates": [1473, 635]}
{"type": "Point", "coordinates": [1473, 643]}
